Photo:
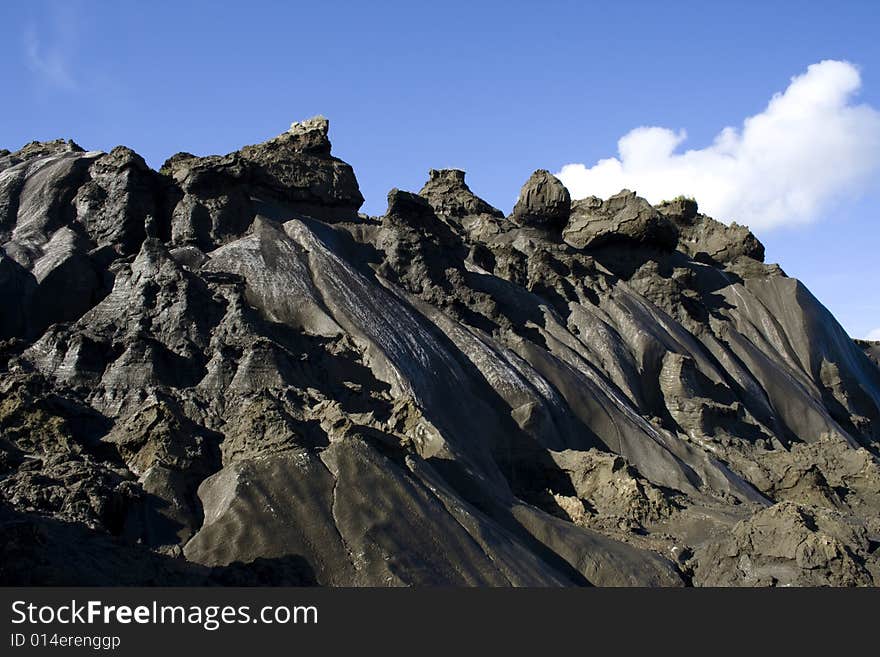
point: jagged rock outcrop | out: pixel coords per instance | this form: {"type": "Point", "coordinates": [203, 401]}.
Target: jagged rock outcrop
{"type": "Point", "coordinates": [449, 195]}
{"type": "Point", "coordinates": [221, 373]}
{"type": "Point", "coordinates": [216, 195]}
{"type": "Point", "coordinates": [707, 240]}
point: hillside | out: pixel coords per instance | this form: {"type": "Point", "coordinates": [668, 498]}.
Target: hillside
{"type": "Point", "coordinates": [221, 373]}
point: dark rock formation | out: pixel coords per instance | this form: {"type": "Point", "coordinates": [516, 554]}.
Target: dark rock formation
{"type": "Point", "coordinates": [450, 196]}
{"type": "Point", "coordinates": [543, 202]}
{"type": "Point", "coordinates": [408, 206]}
{"type": "Point", "coordinates": [119, 203]}
{"type": "Point", "coordinates": [871, 349]}
{"type": "Point", "coordinates": [215, 195]}
{"type": "Point", "coordinates": [623, 218]}
{"type": "Point", "coordinates": [220, 373]}
{"type": "Point", "coordinates": [707, 240]}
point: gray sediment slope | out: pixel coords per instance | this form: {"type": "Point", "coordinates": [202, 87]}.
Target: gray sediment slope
{"type": "Point", "coordinates": [221, 373]}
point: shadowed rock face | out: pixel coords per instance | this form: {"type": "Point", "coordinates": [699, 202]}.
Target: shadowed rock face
{"type": "Point", "coordinates": [871, 349]}
{"type": "Point", "coordinates": [220, 373]}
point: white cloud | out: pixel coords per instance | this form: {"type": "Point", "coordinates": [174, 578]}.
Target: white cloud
{"type": "Point", "coordinates": [874, 335]}
{"type": "Point", "coordinates": [810, 145]}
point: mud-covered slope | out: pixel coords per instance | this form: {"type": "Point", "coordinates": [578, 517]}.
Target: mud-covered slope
{"type": "Point", "coordinates": [221, 373]}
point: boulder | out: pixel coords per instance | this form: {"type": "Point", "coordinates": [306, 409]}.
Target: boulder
{"type": "Point", "coordinates": [543, 202]}
{"type": "Point", "coordinates": [624, 217]}
{"type": "Point", "coordinates": [311, 135]}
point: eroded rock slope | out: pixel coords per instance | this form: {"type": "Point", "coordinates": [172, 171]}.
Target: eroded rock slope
{"type": "Point", "coordinates": [221, 373]}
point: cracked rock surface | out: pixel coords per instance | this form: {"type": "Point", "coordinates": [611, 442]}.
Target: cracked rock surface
{"type": "Point", "coordinates": [220, 373]}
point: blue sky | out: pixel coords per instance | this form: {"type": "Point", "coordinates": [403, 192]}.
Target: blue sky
{"type": "Point", "coordinates": [495, 88]}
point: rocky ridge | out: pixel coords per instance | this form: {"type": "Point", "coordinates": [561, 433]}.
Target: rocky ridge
{"type": "Point", "coordinates": [220, 373]}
